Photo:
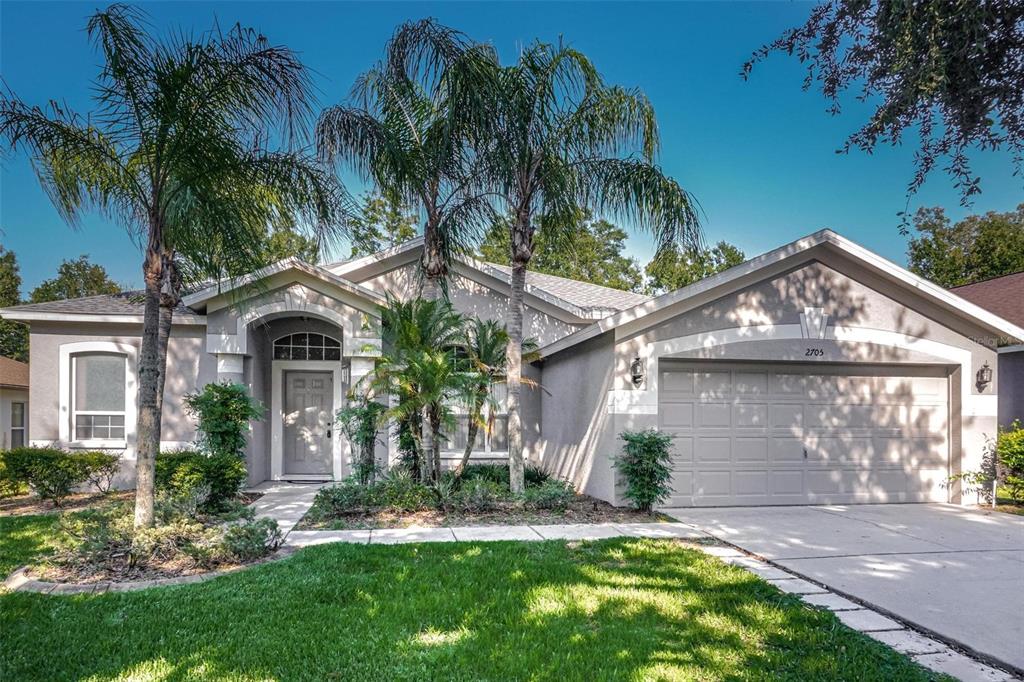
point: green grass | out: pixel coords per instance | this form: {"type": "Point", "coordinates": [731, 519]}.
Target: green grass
{"type": "Point", "coordinates": [24, 539]}
{"type": "Point", "coordinates": [612, 610]}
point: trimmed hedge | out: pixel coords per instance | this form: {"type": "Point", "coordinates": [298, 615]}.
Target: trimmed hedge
{"type": "Point", "coordinates": [646, 464]}
{"type": "Point", "coordinates": [54, 473]}
{"type": "Point", "coordinates": [215, 479]}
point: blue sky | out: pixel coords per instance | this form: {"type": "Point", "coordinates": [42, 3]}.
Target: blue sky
{"type": "Point", "coordinates": [759, 155]}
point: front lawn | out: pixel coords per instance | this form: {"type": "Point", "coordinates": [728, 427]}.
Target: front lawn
{"type": "Point", "coordinates": [23, 539]}
{"type": "Point", "coordinates": [609, 610]}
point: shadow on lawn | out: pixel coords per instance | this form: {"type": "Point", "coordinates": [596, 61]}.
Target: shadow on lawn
{"type": "Point", "coordinates": [616, 609]}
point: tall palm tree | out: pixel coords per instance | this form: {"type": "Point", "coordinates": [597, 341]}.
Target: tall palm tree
{"type": "Point", "coordinates": [419, 368]}
{"type": "Point", "coordinates": [561, 139]}
{"type": "Point", "coordinates": [177, 152]}
{"type": "Point", "coordinates": [486, 350]}
{"type": "Point", "coordinates": [403, 132]}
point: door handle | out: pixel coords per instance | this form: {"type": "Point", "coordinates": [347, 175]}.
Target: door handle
{"type": "Point", "coordinates": [805, 450]}
{"type": "Point", "coordinates": [329, 435]}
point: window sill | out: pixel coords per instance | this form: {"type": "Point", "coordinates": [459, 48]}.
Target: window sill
{"type": "Point", "coordinates": [98, 445]}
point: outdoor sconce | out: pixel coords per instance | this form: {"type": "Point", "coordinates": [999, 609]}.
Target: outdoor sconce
{"type": "Point", "coordinates": [636, 369]}
{"type": "Point", "coordinates": [984, 377]}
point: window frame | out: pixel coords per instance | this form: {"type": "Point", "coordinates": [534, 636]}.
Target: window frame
{"type": "Point", "coordinates": [67, 427]}
{"type": "Point", "coordinates": [24, 420]}
{"type": "Point", "coordinates": [488, 450]}
{"type": "Point", "coordinates": [76, 413]}
{"type": "Point", "coordinates": [323, 347]}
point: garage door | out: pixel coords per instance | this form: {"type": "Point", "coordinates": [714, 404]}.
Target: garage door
{"type": "Point", "coordinates": [786, 434]}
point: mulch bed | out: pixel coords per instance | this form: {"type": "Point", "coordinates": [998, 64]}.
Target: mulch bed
{"type": "Point", "coordinates": [90, 575]}
{"type": "Point", "coordinates": [583, 510]}
{"type": "Point", "coordinates": [30, 505]}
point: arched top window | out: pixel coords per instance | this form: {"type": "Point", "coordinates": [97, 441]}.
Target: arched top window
{"type": "Point", "coordinates": [306, 346]}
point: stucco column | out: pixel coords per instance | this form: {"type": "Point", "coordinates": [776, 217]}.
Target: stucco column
{"type": "Point", "coordinates": [231, 367]}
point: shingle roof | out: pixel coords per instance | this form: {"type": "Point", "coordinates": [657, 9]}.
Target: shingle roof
{"type": "Point", "coordinates": [124, 303]}
{"type": "Point", "coordinates": [1003, 296]}
{"type": "Point", "coordinates": [582, 294]}
{"type": "Point", "coordinates": [13, 373]}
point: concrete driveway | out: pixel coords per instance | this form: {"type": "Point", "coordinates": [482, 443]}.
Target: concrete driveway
{"type": "Point", "coordinates": [956, 572]}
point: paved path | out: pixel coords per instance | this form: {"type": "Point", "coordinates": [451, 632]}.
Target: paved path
{"type": "Point", "coordinates": [285, 502]}
{"type": "Point", "coordinates": [956, 572]}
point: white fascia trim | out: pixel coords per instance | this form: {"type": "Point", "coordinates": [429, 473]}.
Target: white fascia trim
{"type": "Point", "coordinates": [131, 392]}
{"type": "Point", "coordinates": [1012, 349]}
{"type": "Point", "coordinates": [783, 253]}
{"type": "Point", "coordinates": [37, 316]}
{"type": "Point", "coordinates": [344, 267]}
{"type": "Point", "coordinates": [291, 263]}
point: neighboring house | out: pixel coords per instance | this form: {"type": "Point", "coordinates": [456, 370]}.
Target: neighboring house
{"type": "Point", "coordinates": [13, 403]}
{"type": "Point", "coordinates": [1004, 296]}
{"type": "Point", "coordinates": [816, 373]}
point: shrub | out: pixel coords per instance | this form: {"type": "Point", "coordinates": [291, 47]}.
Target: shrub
{"type": "Point", "coordinates": [359, 422]}
{"type": "Point", "coordinates": [1010, 453]}
{"type": "Point", "coordinates": [498, 473]}
{"type": "Point", "coordinates": [479, 494]}
{"type": "Point", "coordinates": [551, 494]}
{"type": "Point", "coordinates": [52, 473]}
{"type": "Point", "coordinates": [217, 479]}
{"type": "Point", "coordinates": [398, 490]}
{"type": "Point", "coordinates": [101, 469]}
{"type": "Point", "coordinates": [252, 539]}
{"type": "Point", "coordinates": [344, 498]}
{"type": "Point", "coordinates": [10, 485]}
{"type": "Point", "coordinates": [223, 412]}
{"type": "Point", "coordinates": [646, 464]}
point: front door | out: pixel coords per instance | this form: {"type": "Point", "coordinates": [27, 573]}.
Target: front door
{"type": "Point", "coordinates": [308, 417]}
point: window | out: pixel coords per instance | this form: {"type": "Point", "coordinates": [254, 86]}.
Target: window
{"type": "Point", "coordinates": [306, 346]}
{"type": "Point", "coordinates": [496, 441]}
{"type": "Point", "coordinates": [17, 425]}
{"type": "Point", "coordinates": [98, 396]}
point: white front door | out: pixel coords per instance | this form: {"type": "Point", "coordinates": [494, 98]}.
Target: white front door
{"type": "Point", "coordinates": [308, 417]}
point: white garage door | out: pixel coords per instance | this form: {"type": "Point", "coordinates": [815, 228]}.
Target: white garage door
{"type": "Point", "coordinates": [785, 434]}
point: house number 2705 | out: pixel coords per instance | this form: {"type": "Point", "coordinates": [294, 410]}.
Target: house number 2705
{"type": "Point", "coordinates": [814, 352]}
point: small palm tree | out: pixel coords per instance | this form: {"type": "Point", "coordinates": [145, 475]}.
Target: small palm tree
{"type": "Point", "coordinates": [404, 134]}
{"type": "Point", "coordinates": [560, 139]}
{"type": "Point", "coordinates": [486, 352]}
{"type": "Point", "coordinates": [176, 152]}
{"type": "Point", "coordinates": [420, 369]}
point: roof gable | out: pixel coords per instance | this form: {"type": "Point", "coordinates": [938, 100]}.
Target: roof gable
{"type": "Point", "coordinates": [652, 311]}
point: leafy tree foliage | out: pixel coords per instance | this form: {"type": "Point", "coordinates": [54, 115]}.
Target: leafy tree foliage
{"type": "Point", "coordinates": [673, 268]}
{"type": "Point", "coordinates": [587, 250]}
{"type": "Point", "coordinates": [952, 70]}
{"type": "Point", "coordinates": [976, 248]}
{"type": "Point", "coordinates": [384, 222]}
{"type": "Point", "coordinates": [75, 279]}
{"type": "Point", "coordinates": [13, 335]}
{"type": "Point", "coordinates": [285, 242]}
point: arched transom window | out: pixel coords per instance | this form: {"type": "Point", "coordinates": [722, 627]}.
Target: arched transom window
{"type": "Point", "coordinates": [306, 346]}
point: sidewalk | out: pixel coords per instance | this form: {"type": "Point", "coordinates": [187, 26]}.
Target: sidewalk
{"type": "Point", "coordinates": [286, 503]}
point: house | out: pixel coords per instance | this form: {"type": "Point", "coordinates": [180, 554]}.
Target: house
{"type": "Point", "coordinates": [1004, 296]}
{"type": "Point", "coordinates": [13, 403]}
{"type": "Point", "coordinates": [816, 373]}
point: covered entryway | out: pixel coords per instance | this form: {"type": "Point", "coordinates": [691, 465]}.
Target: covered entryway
{"type": "Point", "coordinates": [755, 433]}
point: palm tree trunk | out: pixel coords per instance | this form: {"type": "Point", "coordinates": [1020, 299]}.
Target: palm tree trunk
{"type": "Point", "coordinates": [427, 455]}
{"type": "Point", "coordinates": [150, 370]}
{"type": "Point", "coordinates": [432, 262]}
{"type": "Point", "coordinates": [515, 374]}
{"type": "Point", "coordinates": [435, 455]}
{"type": "Point", "coordinates": [473, 428]}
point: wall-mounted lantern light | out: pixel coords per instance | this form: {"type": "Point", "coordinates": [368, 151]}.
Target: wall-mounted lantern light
{"type": "Point", "coordinates": [636, 370]}
{"type": "Point", "coordinates": [984, 377]}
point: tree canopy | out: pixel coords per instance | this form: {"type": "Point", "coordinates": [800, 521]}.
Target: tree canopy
{"type": "Point", "coordinates": [384, 221]}
{"type": "Point", "coordinates": [975, 248]}
{"type": "Point", "coordinates": [673, 268]}
{"type": "Point", "coordinates": [286, 242]}
{"type": "Point", "coordinates": [952, 72]}
{"type": "Point", "coordinates": [587, 250]}
{"type": "Point", "coordinates": [13, 335]}
{"type": "Point", "coordinates": [75, 279]}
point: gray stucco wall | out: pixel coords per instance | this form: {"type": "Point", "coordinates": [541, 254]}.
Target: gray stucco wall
{"type": "Point", "coordinates": [1011, 387]}
{"type": "Point", "coordinates": [188, 368]}
{"type": "Point", "coordinates": [578, 440]}
{"type": "Point", "coordinates": [473, 298]}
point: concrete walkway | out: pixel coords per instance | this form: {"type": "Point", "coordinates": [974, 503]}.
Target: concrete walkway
{"type": "Point", "coordinates": [287, 503]}
{"type": "Point", "coordinates": [951, 571]}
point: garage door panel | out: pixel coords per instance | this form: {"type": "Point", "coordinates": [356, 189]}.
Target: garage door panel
{"type": "Point", "coordinates": [784, 435]}
{"type": "Point", "coordinates": [713, 415]}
